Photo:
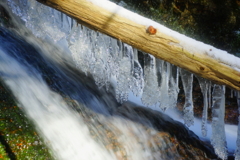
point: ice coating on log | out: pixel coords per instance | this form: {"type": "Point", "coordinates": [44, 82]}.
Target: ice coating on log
{"type": "Point", "coordinates": [205, 87]}
{"type": "Point", "coordinates": [187, 80]}
{"type": "Point", "coordinates": [218, 138]}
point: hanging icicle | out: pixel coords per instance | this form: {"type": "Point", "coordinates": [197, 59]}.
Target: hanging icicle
{"type": "Point", "coordinates": [210, 95]}
{"type": "Point", "coordinates": [101, 71]}
{"type": "Point", "coordinates": [124, 77]}
{"type": "Point", "coordinates": [113, 60]}
{"type": "Point", "coordinates": [205, 87]}
{"type": "Point", "coordinates": [79, 43]}
{"type": "Point", "coordinates": [187, 80]}
{"type": "Point", "coordinates": [237, 151]}
{"type": "Point", "coordinates": [151, 93]}
{"type": "Point", "coordinates": [168, 84]}
{"type": "Point", "coordinates": [218, 138]}
{"type": "Point", "coordinates": [173, 85]}
{"type": "Point", "coordinates": [164, 69]}
{"type": "Point", "coordinates": [137, 75]}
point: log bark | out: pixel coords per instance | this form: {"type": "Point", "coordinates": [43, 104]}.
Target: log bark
{"type": "Point", "coordinates": [158, 45]}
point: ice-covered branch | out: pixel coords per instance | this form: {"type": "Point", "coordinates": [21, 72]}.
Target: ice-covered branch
{"type": "Point", "coordinates": [199, 58]}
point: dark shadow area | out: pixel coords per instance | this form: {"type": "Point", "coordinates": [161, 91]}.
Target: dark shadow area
{"type": "Point", "coordinates": [8, 149]}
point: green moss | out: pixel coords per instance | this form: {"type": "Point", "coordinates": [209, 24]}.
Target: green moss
{"type": "Point", "coordinates": [18, 137]}
{"type": "Point", "coordinates": [3, 154]}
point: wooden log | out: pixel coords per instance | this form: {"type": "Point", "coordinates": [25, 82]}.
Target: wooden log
{"type": "Point", "coordinates": [159, 45]}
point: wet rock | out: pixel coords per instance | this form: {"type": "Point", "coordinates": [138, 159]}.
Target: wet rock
{"type": "Point", "coordinates": [5, 19]}
{"type": "Point", "coordinates": [182, 140]}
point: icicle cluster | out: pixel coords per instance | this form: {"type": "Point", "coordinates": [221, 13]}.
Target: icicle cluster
{"type": "Point", "coordinates": [112, 62]}
{"type": "Point", "coordinates": [103, 57]}
{"type": "Point", "coordinates": [43, 21]}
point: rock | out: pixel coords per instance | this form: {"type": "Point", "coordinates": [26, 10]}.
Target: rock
{"type": "Point", "coordinates": [179, 138]}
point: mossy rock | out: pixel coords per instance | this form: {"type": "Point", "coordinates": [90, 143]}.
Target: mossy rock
{"type": "Point", "coordinates": [18, 137]}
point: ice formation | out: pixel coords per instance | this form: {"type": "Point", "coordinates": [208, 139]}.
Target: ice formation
{"type": "Point", "coordinates": [168, 77]}
{"type": "Point", "coordinates": [218, 139]}
{"type": "Point", "coordinates": [206, 89]}
{"type": "Point", "coordinates": [151, 91]}
{"type": "Point", "coordinates": [187, 81]}
{"type": "Point", "coordinates": [237, 151]}
{"type": "Point", "coordinates": [105, 58]}
{"type": "Point", "coordinates": [185, 42]}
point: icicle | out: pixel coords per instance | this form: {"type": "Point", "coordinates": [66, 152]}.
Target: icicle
{"type": "Point", "coordinates": [168, 85]}
{"type": "Point", "coordinates": [187, 80]}
{"type": "Point", "coordinates": [137, 75]}
{"type": "Point", "coordinates": [80, 46]}
{"type": "Point", "coordinates": [175, 76]}
{"type": "Point", "coordinates": [151, 90]}
{"type": "Point", "coordinates": [210, 95]}
{"type": "Point", "coordinates": [173, 85]}
{"type": "Point", "coordinates": [164, 69]}
{"type": "Point", "coordinates": [205, 86]}
{"type": "Point", "coordinates": [168, 80]}
{"type": "Point", "coordinates": [237, 151]}
{"type": "Point", "coordinates": [43, 21]}
{"type": "Point", "coordinates": [113, 60]}
{"type": "Point", "coordinates": [124, 77]}
{"type": "Point", "coordinates": [218, 138]}
{"type": "Point", "coordinates": [20, 8]}
{"type": "Point", "coordinates": [101, 71]}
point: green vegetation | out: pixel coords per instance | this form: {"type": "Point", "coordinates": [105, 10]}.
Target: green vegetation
{"type": "Point", "coordinates": [18, 137]}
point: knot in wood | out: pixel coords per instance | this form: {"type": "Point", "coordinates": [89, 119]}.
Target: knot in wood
{"type": "Point", "coordinates": [151, 30]}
